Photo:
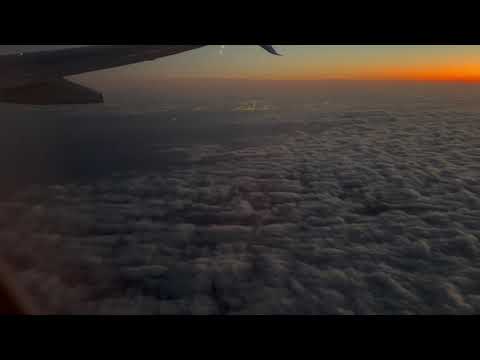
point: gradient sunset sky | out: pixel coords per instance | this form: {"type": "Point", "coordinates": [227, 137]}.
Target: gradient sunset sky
{"type": "Point", "coordinates": [312, 62]}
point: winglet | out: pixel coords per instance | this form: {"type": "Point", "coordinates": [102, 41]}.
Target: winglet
{"type": "Point", "coordinates": [270, 49]}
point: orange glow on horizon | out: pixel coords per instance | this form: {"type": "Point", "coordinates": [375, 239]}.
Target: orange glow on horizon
{"type": "Point", "coordinates": [310, 63]}
{"type": "Point", "coordinates": [464, 75]}
{"type": "Point", "coordinates": [454, 72]}
{"type": "Point", "coordinates": [457, 71]}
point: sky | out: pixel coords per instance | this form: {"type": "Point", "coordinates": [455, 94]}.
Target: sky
{"type": "Point", "coordinates": [311, 62]}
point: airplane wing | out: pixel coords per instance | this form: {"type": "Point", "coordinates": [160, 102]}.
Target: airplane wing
{"type": "Point", "coordinates": [39, 77]}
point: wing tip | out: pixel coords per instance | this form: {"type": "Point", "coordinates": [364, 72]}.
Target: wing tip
{"type": "Point", "coordinates": [271, 50]}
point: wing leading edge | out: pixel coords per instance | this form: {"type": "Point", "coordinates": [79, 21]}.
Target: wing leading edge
{"type": "Point", "coordinates": [38, 77]}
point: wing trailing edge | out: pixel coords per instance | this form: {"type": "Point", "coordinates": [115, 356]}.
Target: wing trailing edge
{"type": "Point", "coordinates": [55, 92]}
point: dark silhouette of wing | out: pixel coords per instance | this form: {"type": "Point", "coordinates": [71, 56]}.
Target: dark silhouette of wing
{"type": "Point", "coordinates": [36, 78]}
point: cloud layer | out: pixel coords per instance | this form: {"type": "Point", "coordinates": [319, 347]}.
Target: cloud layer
{"type": "Point", "coordinates": [375, 215]}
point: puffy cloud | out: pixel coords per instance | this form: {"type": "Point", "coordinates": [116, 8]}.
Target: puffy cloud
{"type": "Point", "coordinates": [358, 214]}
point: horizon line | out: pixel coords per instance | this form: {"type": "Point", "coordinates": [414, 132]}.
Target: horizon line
{"type": "Point", "coordinates": [210, 78]}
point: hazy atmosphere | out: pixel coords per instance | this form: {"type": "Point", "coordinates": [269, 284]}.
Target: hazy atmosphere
{"type": "Point", "coordinates": [308, 62]}
{"type": "Point", "coordinates": [216, 182]}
